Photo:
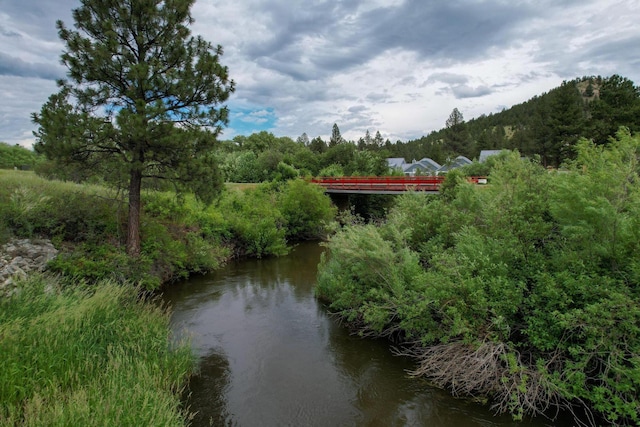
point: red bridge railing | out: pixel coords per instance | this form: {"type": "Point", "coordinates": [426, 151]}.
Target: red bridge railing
{"type": "Point", "coordinates": [385, 183]}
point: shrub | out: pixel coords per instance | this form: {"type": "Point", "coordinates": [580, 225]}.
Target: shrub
{"type": "Point", "coordinates": [257, 226]}
{"type": "Point", "coordinates": [306, 209]}
{"type": "Point", "coordinates": [538, 270]}
{"type": "Point", "coordinates": [17, 157]}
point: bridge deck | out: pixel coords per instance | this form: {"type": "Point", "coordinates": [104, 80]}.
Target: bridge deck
{"type": "Point", "coordinates": [384, 184]}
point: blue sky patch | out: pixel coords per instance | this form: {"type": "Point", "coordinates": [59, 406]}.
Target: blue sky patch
{"type": "Point", "coordinates": [245, 121]}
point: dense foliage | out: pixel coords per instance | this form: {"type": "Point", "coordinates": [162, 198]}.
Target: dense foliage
{"type": "Point", "coordinates": [17, 157]}
{"type": "Point", "coordinates": [179, 235]}
{"type": "Point", "coordinates": [527, 290]}
{"type": "Point", "coordinates": [264, 157]}
{"type": "Point", "coordinates": [73, 356]}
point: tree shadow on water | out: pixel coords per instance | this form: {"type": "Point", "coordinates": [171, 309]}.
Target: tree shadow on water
{"type": "Point", "coordinates": [205, 396]}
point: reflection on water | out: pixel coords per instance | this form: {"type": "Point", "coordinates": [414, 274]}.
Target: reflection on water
{"type": "Point", "coordinates": [208, 400]}
{"type": "Point", "coordinates": [271, 356]}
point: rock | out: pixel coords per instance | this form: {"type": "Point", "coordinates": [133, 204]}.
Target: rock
{"type": "Point", "coordinates": [19, 257]}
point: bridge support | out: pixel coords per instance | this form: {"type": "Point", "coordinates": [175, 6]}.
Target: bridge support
{"type": "Point", "coordinates": [341, 201]}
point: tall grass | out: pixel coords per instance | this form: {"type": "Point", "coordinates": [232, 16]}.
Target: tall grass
{"type": "Point", "coordinates": [88, 357]}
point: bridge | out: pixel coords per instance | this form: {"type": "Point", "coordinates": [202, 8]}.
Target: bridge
{"type": "Point", "coordinates": [385, 184]}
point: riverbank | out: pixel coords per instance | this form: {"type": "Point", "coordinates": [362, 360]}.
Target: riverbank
{"type": "Point", "coordinates": [180, 236]}
{"type": "Point", "coordinates": [79, 346]}
{"type": "Point", "coordinates": [525, 294]}
{"type": "Point", "coordinates": [74, 354]}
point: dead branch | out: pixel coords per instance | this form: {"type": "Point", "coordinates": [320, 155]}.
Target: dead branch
{"type": "Point", "coordinates": [484, 371]}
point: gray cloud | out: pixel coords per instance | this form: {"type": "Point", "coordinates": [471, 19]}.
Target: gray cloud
{"type": "Point", "coordinates": [464, 91]}
{"type": "Point", "coordinates": [389, 65]}
{"type": "Point", "coordinates": [458, 85]}
{"type": "Point", "coordinates": [13, 66]}
{"type": "Point", "coordinates": [37, 17]}
{"type": "Point", "coordinates": [21, 96]}
{"type": "Point", "coordinates": [9, 33]}
{"type": "Point", "coordinates": [357, 109]}
{"type": "Point", "coordinates": [449, 78]}
{"type": "Point", "coordinates": [325, 40]}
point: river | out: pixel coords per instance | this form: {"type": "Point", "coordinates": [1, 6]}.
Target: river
{"type": "Point", "coordinates": [271, 355]}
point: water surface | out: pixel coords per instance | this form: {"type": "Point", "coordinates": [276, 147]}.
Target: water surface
{"type": "Point", "coordinates": [271, 355]}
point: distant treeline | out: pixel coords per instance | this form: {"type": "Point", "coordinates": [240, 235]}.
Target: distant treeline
{"type": "Point", "coordinates": [548, 126]}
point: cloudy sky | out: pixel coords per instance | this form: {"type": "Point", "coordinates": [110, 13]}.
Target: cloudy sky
{"type": "Point", "coordinates": [394, 66]}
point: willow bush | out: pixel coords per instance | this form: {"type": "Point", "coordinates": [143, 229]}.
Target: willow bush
{"type": "Point", "coordinates": [535, 278]}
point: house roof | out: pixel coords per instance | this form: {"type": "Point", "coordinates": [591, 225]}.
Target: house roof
{"type": "Point", "coordinates": [424, 163]}
{"type": "Point", "coordinates": [429, 163]}
{"type": "Point", "coordinates": [412, 167]}
{"type": "Point", "coordinates": [457, 163]}
{"type": "Point", "coordinates": [395, 162]}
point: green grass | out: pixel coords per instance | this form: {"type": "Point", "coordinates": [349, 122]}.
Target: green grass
{"type": "Point", "coordinates": [88, 357]}
{"type": "Point", "coordinates": [241, 186]}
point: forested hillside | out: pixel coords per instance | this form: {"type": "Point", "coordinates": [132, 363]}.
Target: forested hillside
{"type": "Point", "coordinates": [548, 125]}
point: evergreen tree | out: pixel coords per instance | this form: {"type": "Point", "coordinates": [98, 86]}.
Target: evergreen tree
{"type": "Point", "coordinates": [141, 99]}
{"type": "Point", "coordinates": [336, 138]}
{"type": "Point", "coordinates": [589, 92]}
{"type": "Point", "coordinates": [455, 119]}
{"type": "Point", "coordinates": [457, 137]}
{"type": "Point", "coordinates": [367, 138]}
{"type": "Point", "coordinates": [378, 141]}
{"type": "Point", "coordinates": [618, 105]}
{"type": "Point", "coordinates": [565, 121]}
{"type": "Point", "coordinates": [317, 145]}
{"type": "Point", "coordinates": [303, 139]}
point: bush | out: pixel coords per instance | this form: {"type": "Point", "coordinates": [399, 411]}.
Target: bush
{"type": "Point", "coordinates": [538, 271]}
{"type": "Point", "coordinates": [306, 210]}
{"type": "Point", "coordinates": [257, 226]}
{"type": "Point", "coordinates": [17, 157]}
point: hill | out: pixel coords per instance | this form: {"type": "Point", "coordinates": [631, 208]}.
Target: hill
{"type": "Point", "coordinates": [548, 125]}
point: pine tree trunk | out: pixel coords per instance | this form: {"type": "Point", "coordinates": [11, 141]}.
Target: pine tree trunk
{"type": "Point", "coordinates": [133, 224]}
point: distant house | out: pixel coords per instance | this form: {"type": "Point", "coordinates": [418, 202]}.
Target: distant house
{"type": "Point", "coordinates": [429, 164]}
{"type": "Point", "coordinates": [488, 153]}
{"type": "Point", "coordinates": [395, 162]}
{"type": "Point", "coordinates": [421, 167]}
{"type": "Point", "coordinates": [458, 162]}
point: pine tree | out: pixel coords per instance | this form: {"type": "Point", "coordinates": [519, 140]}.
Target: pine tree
{"type": "Point", "coordinates": [303, 139]}
{"type": "Point", "coordinates": [141, 100]}
{"type": "Point", "coordinates": [457, 136]}
{"type": "Point", "coordinates": [336, 138]}
{"type": "Point", "coordinates": [618, 105]}
{"type": "Point", "coordinates": [317, 145]}
{"type": "Point", "coordinates": [378, 141]}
